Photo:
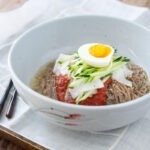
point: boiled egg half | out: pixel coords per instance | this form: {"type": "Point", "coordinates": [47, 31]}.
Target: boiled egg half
{"type": "Point", "coordinates": [96, 54]}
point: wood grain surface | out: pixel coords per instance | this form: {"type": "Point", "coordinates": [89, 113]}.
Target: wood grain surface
{"type": "Point", "coordinates": [8, 5]}
{"type": "Point", "coordinates": [10, 138]}
{"type": "Point", "coordinates": [143, 3]}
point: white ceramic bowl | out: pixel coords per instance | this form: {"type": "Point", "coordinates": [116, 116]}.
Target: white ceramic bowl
{"type": "Point", "coordinates": [44, 42]}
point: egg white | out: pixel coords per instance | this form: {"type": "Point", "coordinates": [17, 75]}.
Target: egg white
{"type": "Point", "coordinates": [85, 55]}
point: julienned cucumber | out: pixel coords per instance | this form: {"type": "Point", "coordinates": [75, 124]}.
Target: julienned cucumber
{"type": "Point", "coordinates": [81, 73]}
{"type": "Point", "coordinates": [85, 73]}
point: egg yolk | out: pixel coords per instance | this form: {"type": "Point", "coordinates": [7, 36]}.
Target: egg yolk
{"type": "Point", "coordinates": [99, 50]}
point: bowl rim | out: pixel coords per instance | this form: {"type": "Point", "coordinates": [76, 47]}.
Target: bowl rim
{"type": "Point", "coordinates": [68, 105]}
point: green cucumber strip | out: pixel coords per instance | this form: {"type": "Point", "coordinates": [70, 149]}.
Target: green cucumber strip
{"type": "Point", "coordinates": [76, 83]}
{"type": "Point", "coordinates": [83, 96]}
{"type": "Point", "coordinates": [83, 73]}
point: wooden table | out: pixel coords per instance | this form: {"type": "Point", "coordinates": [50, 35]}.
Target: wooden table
{"type": "Point", "coordinates": [144, 3]}
{"type": "Point", "coordinates": [10, 140]}
{"type": "Point", "coordinates": [6, 5]}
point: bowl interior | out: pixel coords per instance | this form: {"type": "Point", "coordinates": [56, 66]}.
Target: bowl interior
{"type": "Point", "coordinates": [43, 43]}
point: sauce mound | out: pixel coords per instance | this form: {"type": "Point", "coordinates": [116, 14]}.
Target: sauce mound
{"type": "Point", "coordinates": [61, 85]}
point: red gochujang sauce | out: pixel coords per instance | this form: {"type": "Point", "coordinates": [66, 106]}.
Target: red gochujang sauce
{"type": "Point", "coordinates": [61, 85]}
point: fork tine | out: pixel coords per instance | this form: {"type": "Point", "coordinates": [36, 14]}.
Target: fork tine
{"type": "Point", "coordinates": [4, 97]}
{"type": "Point", "coordinates": [11, 106]}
